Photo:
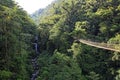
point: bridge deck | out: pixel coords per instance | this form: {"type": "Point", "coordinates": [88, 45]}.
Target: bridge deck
{"type": "Point", "coordinates": [100, 45]}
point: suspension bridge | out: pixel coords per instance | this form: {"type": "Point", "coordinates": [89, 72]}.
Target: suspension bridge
{"type": "Point", "coordinates": [111, 47]}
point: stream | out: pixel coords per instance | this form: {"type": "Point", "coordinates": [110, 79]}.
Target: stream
{"type": "Point", "coordinates": [34, 60]}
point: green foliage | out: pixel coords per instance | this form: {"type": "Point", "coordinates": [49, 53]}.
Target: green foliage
{"type": "Point", "coordinates": [5, 75]}
{"type": "Point", "coordinates": [59, 67]}
{"type": "Point", "coordinates": [105, 12]}
{"type": "Point", "coordinates": [14, 46]}
{"type": "Point", "coordinates": [96, 20]}
{"type": "Point", "coordinates": [62, 58]}
{"type": "Point", "coordinates": [118, 75]}
{"type": "Point", "coordinates": [93, 76]}
{"type": "Point", "coordinates": [115, 40]}
{"type": "Point", "coordinates": [75, 49]}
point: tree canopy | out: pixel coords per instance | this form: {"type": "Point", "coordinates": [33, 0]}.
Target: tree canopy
{"type": "Point", "coordinates": [61, 57]}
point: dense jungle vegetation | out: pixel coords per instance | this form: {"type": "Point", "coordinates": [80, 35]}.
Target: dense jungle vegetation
{"type": "Point", "coordinates": [61, 56]}
{"type": "Point", "coordinates": [16, 32]}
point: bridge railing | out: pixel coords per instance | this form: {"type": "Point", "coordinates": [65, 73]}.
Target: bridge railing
{"type": "Point", "coordinates": [102, 44]}
{"type": "Point", "coordinates": [100, 41]}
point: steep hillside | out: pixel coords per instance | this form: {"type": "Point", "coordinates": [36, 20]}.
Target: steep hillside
{"type": "Point", "coordinates": [16, 33]}
{"type": "Point", "coordinates": [42, 13]}
{"type": "Point", "coordinates": [70, 42]}
{"type": "Point", "coordinates": [63, 58]}
{"type": "Point", "coordinates": [36, 16]}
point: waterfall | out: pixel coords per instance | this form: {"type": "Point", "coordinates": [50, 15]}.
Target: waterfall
{"type": "Point", "coordinates": [36, 48]}
{"type": "Point", "coordinates": [36, 38]}
{"type": "Point", "coordinates": [34, 60]}
{"type": "Point", "coordinates": [36, 44]}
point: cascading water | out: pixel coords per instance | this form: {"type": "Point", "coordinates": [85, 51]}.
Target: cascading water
{"type": "Point", "coordinates": [34, 60]}
{"type": "Point", "coordinates": [36, 48]}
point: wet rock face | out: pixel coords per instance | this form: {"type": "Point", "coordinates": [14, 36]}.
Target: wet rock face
{"type": "Point", "coordinates": [34, 61]}
{"type": "Point", "coordinates": [36, 47]}
{"type": "Point", "coordinates": [35, 67]}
